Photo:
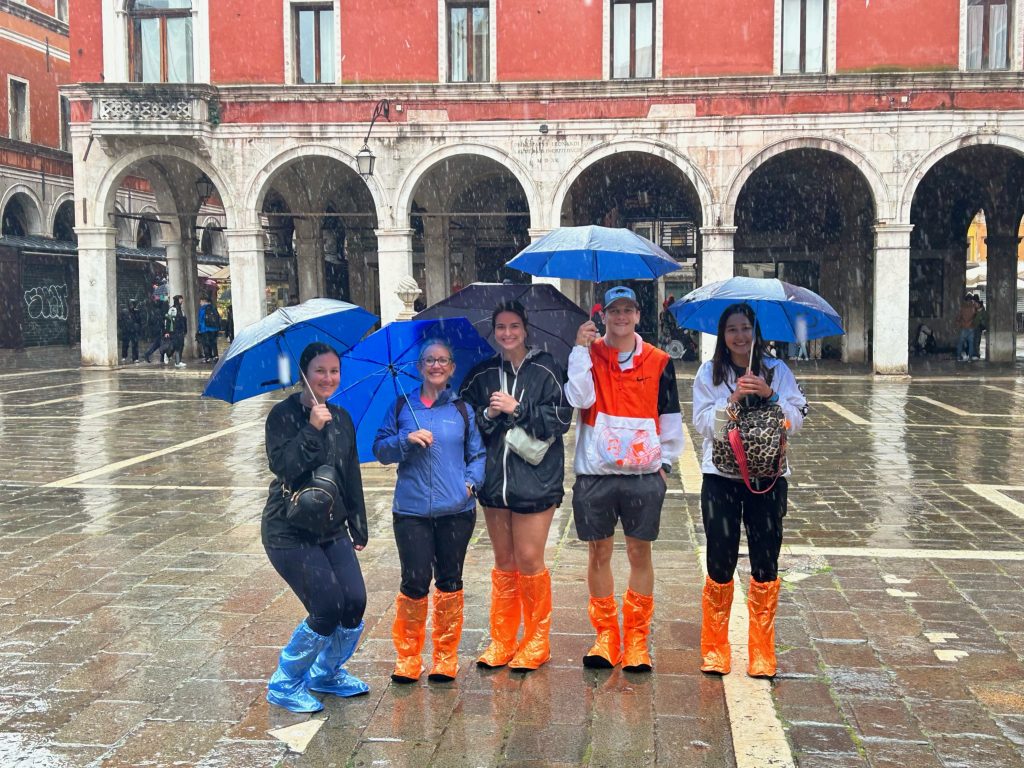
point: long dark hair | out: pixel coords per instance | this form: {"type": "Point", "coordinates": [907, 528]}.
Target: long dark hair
{"type": "Point", "coordinates": [720, 361]}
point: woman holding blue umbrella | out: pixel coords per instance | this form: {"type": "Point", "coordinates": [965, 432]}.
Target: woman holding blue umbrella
{"type": "Point", "coordinates": [432, 436]}
{"type": "Point", "coordinates": [739, 374]}
{"type": "Point", "coordinates": [303, 434]}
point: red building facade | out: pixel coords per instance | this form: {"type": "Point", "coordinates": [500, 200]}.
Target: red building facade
{"type": "Point", "coordinates": [816, 140]}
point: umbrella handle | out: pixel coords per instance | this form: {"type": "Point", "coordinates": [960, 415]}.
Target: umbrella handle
{"type": "Point", "coordinates": [407, 402]}
{"type": "Point", "coordinates": [306, 381]}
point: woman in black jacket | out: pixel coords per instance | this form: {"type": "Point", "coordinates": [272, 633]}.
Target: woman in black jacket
{"type": "Point", "coordinates": [519, 389]}
{"type": "Point", "coordinates": [321, 568]}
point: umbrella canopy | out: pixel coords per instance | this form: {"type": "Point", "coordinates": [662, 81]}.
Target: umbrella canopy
{"type": "Point", "coordinates": [598, 254]}
{"type": "Point", "coordinates": [552, 317]}
{"type": "Point", "coordinates": [265, 355]}
{"type": "Point", "coordinates": [784, 312]}
{"type": "Point", "coordinates": [382, 368]}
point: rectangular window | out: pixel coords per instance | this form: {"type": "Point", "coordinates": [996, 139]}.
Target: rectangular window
{"type": "Point", "coordinates": [61, 10]}
{"type": "Point", "coordinates": [65, 123]}
{"type": "Point", "coordinates": [804, 25]}
{"type": "Point", "coordinates": [17, 100]}
{"type": "Point", "coordinates": [632, 38]}
{"type": "Point", "coordinates": [988, 30]}
{"type": "Point", "coordinates": [160, 41]}
{"type": "Point", "coordinates": [313, 29]}
{"type": "Point", "coordinates": [469, 42]}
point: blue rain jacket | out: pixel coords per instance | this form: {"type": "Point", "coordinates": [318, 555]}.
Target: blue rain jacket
{"type": "Point", "coordinates": [432, 481]}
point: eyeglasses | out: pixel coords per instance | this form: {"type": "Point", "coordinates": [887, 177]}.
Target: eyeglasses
{"type": "Point", "coordinates": [444, 362]}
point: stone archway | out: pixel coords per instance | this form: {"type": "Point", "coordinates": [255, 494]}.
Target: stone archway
{"type": "Point", "coordinates": [806, 216]}
{"type": "Point", "coordinates": [979, 185]}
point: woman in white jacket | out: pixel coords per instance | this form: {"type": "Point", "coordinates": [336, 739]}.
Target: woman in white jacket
{"type": "Point", "coordinates": [734, 375]}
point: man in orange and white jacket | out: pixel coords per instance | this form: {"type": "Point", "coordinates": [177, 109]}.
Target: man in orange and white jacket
{"type": "Point", "coordinates": [629, 435]}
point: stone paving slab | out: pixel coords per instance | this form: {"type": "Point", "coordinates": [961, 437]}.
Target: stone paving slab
{"type": "Point", "coordinates": [139, 618]}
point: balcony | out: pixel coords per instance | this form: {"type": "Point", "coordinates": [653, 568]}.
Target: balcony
{"type": "Point", "coordinates": [124, 113]}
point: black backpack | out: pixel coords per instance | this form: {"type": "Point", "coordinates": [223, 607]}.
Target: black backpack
{"type": "Point", "coordinates": [212, 317]}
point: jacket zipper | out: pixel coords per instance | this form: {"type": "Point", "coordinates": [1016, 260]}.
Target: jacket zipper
{"type": "Point", "coordinates": [504, 458]}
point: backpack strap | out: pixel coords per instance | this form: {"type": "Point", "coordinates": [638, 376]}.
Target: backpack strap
{"type": "Point", "coordinates": [736, 441]}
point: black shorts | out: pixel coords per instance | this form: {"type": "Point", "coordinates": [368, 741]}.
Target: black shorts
{"type": "Point", "coordinates": [598, 501]}
{"type": "Point", "coordinates": [523, 509]}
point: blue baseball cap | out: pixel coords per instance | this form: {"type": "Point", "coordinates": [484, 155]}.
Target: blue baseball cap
{"type": "Point", "coordinates": [619, 292]}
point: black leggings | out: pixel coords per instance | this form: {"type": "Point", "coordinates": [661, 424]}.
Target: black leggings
{"type": "Point", "coordinates": [432, 546]}
{"type": "Point", "coordinates": [327, 579]}
{"type": "Point", "coordinates": [724, 503]}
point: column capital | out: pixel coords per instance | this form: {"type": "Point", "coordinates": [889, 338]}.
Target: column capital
{"type": "Point", "coordinates": [239, 232]}
{"type": "Point", "coordinates": [536, 233]}
{"type": "Point", "coordinates": [719, 231]}
{"type": "Point", "coordinates": [1002, 241]}
{"type": "Point", "coordinates": [892, 235]}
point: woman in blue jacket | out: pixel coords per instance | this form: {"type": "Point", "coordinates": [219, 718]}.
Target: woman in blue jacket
{"type": "Point", "coordinates": [433, 438]}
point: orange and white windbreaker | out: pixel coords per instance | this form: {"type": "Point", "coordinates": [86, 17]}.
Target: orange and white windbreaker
{"type": "Point", "coordinates": [630, 422]}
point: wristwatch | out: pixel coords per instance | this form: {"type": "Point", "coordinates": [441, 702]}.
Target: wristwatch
{"type": "Point", "coordinates": [666, 468]}
{"type": "Point", "coordinates": [517, 412]}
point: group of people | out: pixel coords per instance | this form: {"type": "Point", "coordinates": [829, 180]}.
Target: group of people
{"type": "Point", "coordinates": [498, 442]}
{"type": "Point", "coordinates": [166, 327]}
{"type": "Point", "coordinates": [972, 320]}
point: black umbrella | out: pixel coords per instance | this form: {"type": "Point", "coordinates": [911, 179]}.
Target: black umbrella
{"type": "Point", "coordinates": [553, 318]}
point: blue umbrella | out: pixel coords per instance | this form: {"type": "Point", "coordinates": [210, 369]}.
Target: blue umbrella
{"type": "Point", "coordinates": [784, 312]}
{"type": "Point", "coordinates": [382, 368]}
{"type": "Point", "coordinates": [598, 254]}
{"type": "Point", "coordinates": [265, 355]}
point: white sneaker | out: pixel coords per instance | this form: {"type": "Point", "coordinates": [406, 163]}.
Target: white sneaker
{"type": "Point", "coordinates": [166, 360]}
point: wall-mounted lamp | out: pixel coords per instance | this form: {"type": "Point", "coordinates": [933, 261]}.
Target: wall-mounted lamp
{"type": "Point", "coordinates": [364, 157]}
{"type": "Point", "coordinates": [204, 190]}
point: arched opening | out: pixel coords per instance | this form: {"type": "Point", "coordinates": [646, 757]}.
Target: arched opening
{"type": "Point", "coordinates": [967, 263]}
{"type": "Point", "coordinates": [806, 216]}
{"type": "Point", "coordinates": [20, 216]}
{"type": "Point", "coordinates": [653, 197]}
{"type": "Point", "coordinates": [319, 221]}
{"type": "Point", "coordinates": [469, 216]}
{"type": "Point", "coordinates": [64, 222]}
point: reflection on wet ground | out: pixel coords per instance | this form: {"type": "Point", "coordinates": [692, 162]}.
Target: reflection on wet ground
{"type": "Point", "coordinates": [139, 618]}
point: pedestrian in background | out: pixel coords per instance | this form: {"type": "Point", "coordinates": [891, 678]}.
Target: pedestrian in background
{"type": "Point", "coordinates": [302, 433]}
{"type": "Point", "coordinates": [979, 326]}
{"type": "Point", "coordinates": [153, 321]}
{"type": "Point", "coordinates": [519, 390]}
{"type": "Point", "coordinates": [229, 324]}
{"type": "Point", "coordinates": [208, 326]}
{"type": "Point", "coordinates": [732, 376]}
{"type": "Point", "coordinates": [176, 326]}
{"type": "Point", "coordinates": [629, 434]}
{"type": "Point", "coordinates": [965, 322]}
{"type": "Point", "coordinates": [432, 436]}
{"type": "Point", "coordinates": [130, 326]}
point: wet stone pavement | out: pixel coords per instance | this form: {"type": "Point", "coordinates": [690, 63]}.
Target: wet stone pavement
{"type": "Point", "coordinates": [140, 619]}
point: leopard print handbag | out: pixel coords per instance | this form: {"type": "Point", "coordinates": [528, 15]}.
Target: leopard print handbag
{"type": "Point", "coordinates": [753, 445]}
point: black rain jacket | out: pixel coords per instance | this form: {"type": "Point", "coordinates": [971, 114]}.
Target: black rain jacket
{"type": "Point", "coordinates": [509, 481]}
{"type": "Point", "coordinates": [295, 448]}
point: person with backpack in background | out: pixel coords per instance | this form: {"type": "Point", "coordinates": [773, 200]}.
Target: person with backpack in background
{"type": "Point", "coordinates": [209, 325]}
{"type": "Point", "coordinates": [432, 436]}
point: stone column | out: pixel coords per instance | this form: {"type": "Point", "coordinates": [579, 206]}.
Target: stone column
{"type": "Point", "coordinates": [97, 292]}
{"type": "Point", "coordinates": [248, 276]}
{"type": "Point", "coordinates": [435, 244]}
{"type": "Point", "coordinates": [891, 305]}
{"type": "Point", "coordinates": [309, 263]}
{"type": "Point", "coordinates": [175, 268]}
{"type": "Point", "coordinates": [716, 263]}
{"type": "Point", "coordinates": [394, 261]}
{"type": "Point", "coordinates": [1001, 298]}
